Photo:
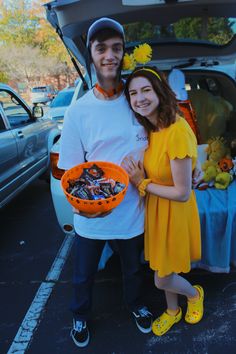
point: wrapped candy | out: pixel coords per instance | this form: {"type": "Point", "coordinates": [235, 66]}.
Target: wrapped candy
{"type": "Point", "coordinates": [93, 186]}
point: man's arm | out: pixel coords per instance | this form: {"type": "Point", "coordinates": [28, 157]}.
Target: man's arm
{"type": "Point", "coordinates": [71, 152]}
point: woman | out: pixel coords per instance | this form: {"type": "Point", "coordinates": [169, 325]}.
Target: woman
{"type": "Point", "coordinates": [172, 226]}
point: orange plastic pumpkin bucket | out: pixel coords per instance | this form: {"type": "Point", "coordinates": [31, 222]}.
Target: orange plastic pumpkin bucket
{"type": "Point", "coordinates": [110, 170]}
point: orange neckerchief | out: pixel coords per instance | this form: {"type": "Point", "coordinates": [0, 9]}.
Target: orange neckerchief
{"type": "Point", "coordinates": [111, 92]}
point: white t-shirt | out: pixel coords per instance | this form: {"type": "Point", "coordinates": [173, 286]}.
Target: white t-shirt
{"type": "Point", "coordinates": [103, 130]}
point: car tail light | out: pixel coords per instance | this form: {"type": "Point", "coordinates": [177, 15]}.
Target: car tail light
{"type": "Point", "coordinates": [56, 172]}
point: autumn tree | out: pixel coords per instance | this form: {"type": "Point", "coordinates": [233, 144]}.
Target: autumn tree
{"type": "Point", "coordinates": [3, 77]}
{"type": "Point", "coordinates": [27, 64]}
{"type": "Point", "coordinates": [46, 37]}
{"type": "Point", "coordinates": [17, 24]}
{"type": "Point", "coordinates": [138, 31]}
{"type": "Point", "coordinates": [217, 30]}
{"type": "Point", "coordinates": [26, 36]}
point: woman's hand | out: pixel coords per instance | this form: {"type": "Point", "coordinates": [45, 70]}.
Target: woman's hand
{"type": "Point", "coordinates": [135, 170]}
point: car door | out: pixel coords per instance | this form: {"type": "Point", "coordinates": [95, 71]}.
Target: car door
{"type": "Point", "coordinates": [9, 161]}
{"type": "Point", "coordinates": [30, 135]}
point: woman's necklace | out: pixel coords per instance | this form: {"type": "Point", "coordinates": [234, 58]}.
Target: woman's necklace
{"type": "Point", "coordinates": [110, 93]}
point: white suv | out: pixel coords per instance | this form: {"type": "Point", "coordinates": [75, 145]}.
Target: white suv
{"type": "Point", "coordinates": [197, 37]}
{"type": "Point", "coordinates": [42, 94]}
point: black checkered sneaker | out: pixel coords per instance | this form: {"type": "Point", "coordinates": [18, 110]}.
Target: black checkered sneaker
{"type": "Point", "coordinates": [143, 319]}
{"type": "Point", "coordinates": [80, 333]}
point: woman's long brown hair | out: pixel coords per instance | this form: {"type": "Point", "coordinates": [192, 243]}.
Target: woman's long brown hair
{"type": "Point", "coordinates": [167, 107]}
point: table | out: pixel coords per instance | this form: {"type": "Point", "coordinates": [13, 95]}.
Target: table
{"type": "Point", "coordinates": [217, 210]}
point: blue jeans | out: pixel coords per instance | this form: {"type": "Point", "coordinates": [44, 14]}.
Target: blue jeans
{"type": "Point", "coordinates": [88, 252]}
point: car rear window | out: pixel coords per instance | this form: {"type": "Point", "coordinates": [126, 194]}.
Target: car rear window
{"type": "Point", "coordinates": [216, 30]}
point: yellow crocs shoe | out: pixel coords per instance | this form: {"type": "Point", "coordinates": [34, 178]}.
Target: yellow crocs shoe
{"type": "Point", "coordinates": [163, 323]}
{"type": "Point", "coordinates": [195, 309]}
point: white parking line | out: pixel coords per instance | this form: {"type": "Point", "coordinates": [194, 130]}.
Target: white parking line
{"type": "Point", "coordinates": [33, 316]}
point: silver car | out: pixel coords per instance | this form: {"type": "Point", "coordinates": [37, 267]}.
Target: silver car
{"type": "Point", "coordinates": [25, 141]}
{"type": "Point", "coordinates": [59, 105]}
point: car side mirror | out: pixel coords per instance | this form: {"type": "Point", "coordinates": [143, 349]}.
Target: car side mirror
{"type": "Point", "coordinates": [37, 111]}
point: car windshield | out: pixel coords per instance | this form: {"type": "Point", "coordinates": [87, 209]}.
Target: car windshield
{"type": "Point", "coordinates": [216, 30]}
{"type": "Point", "coordinates": [62, 99]}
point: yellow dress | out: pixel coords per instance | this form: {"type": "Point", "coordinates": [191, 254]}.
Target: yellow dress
{"type": "Point", "coordinates": [172, 229]}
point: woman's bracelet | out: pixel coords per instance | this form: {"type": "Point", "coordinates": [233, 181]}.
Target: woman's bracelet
{"type": "Point", "coordinates": [143, 185]}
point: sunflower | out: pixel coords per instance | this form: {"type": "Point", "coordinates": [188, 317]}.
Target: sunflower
{"type": "Point", "coordinates": [128, 62]}
{"type": "Point", "coordinates": [143, 53]}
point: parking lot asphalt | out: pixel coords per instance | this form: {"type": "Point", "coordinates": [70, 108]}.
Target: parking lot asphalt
{"type": "Point", "coordinates": [29, 244]}
{"type": "Point", "coordinates": [112, 328]}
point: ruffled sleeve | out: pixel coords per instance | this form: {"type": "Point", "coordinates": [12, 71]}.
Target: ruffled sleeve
{"type": "Point", "coordinates": [181, 141]}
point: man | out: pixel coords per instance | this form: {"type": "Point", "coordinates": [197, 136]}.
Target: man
{"type": "Point", "coordinates": [100, 126]}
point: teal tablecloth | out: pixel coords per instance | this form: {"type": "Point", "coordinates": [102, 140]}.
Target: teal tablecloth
{"type": "Point", "coordinates": [217, 209]}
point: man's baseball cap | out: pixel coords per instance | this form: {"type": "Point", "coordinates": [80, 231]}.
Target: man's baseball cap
{"type": "Point", "coordinates": [104, 22]}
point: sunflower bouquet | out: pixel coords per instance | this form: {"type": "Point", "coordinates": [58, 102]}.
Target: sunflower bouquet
{"type": "Point", "coordinates": [141, 54]}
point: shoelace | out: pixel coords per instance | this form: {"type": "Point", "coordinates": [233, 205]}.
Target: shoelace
{"type": "Point", "coordinates": [78, 326]}
{"type": "Point", "coordinates": [144, 312]}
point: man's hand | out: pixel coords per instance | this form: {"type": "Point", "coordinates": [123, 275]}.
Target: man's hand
{"type": "Point", "coordinates": [91, 216]}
